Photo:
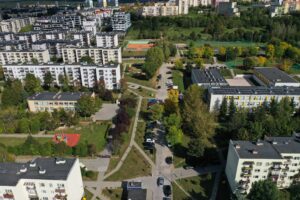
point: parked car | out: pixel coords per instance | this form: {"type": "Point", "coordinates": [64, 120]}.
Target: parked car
{"type": "Point", "coordinates": [167, 190]}
{"type": "Point", "coordinates": [160, 181]}
{"type": "Point", "coordinates": [150, 140]}
{"type": "Point", "coordinates": [169, 160]}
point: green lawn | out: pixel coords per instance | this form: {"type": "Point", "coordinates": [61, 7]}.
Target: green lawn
{"type": "Point", "coordinates": [199, 187]}
{"type": "Point", "coordinates": [144, 92]}
{"type": "Point", "coordinates": [134, 166]}
{"type": "Point", "coordinates": [87, 194]}
{"type": "Point", "coordinates": [234, 63]}
{"type": "Point", "coordinates": [113, 194]}
{"type": "Point", "coordinates": [94, 133]}
{"type": "Point", "coordinates": [148, 83]}
{"type": "Point", "coordinates": [178, 79]}
{"type": "Point", "coordinates": [133, 53]}
{"type": "Point", "coordinates": [178, 194]}
{"type": "Point", "coordinates": [225, 44]}
{"type": "Point", "coordinates": [226, 73]}
{"type": "Point", "coordinates": [18, 141]}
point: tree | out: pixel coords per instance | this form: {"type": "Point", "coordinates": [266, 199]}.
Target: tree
{"type": "Point", "coordinates": [173, 95]}
{"type": "Point", "coordinates": [48, 79]}
{"type": "Point", "coordinates": [286, 65]}
{"type": "Point", "coordinates": [178, 64]}
{"type": "Point", "coordinates": [32, 84]}
{"type": "Point", "coordinates": [195, 148]}
{"type": "Point", "coordinates": [92, 149]}
{"type": "Point", "coordinates": [232, 108]}
{"type": "Point", "coordinates": [199, 62]}
{"type": "Point", "coordinates": [223, 110]}
{"type": "Point", "coordinates": [154, 59]}
{"type": "Point", "coordinates": [197, 119]}
{"type": "Point", "coordinates": [87, 105]}
{"type": "Point", "coordinates": [123, 85]}
{"type": "Point", "coordinates": [86, 59]}
{"type": "Point", "coordinates": [249, 63]}
{"type": "Point", "coordinates": [174, 135]}
{"type": "Point", "coordinates": [172, 120]}
{"type": "Point", "coordinates": [156, 111]}
{"type": "Point", "coordinates": [264, 190]}
{"type": "Point", "coordinates": [208, 52]}
{"type": "Point", "coordinates": [270, 51]}
{"type": "Point", "coordinates": [100, 88]}
{"type": "Point", "coordinates": [13, 94]}
{"type": "Point", "coordinates": [261, 61]}
{"type": "Point", "coordinates": [171, 107]}
{"type": "Point", "coordinates": [222, 51]}
{"type": "Point", "coordinates": [230, 53]}
{"type": "Point", "coordinates": [295, 192]}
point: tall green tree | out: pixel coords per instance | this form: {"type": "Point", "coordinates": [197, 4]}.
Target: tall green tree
{"type": "Point", "coordinates": [156, 111]}
{"type": "Point", "coordinates": [174, 135]}
{"type": "Point", "coordinates": [223, 110]}
{"type": "Point", "coordinates": [32, 84]}
{"type": "Point", "coordinates": [13, 94]}
{"type": "Point", "coordinates": [87, 105]}
{"type": "Point", "coordinates": [264, 190]}
{"type": "Point", "coordinates": [48, 79]}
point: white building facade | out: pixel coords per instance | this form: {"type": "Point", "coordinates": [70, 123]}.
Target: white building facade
{"type": "Point", "coordinates": [274, 158]}
{"type": "Point", "coordinates": [107, 39]}
{"type": "Point", "coordinates": [98, 55]}
{"type": "Point", "coordinates": [42, 178]}
{"type": "Point", "coordinates": [85, 75]}
{"type": "Point", "coordinates": [24, 56]}
{"type": "Point", "coordinates": [121, 21]}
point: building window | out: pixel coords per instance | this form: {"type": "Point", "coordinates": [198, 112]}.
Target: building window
{"type": "Point", "coordinates": [257, 170]}
{"type": "Point", "coordinates": [42, 185]}
{"type": "Point", "coordinates": [259, 163]}
{"type": "Point", "coordinates": [50, 185]}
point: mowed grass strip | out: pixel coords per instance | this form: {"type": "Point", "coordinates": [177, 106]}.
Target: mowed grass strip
{"type": "Point", "coordinates": [135, 165]}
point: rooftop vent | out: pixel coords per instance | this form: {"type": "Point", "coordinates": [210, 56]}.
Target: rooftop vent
{"type": "Point", "coordinates": [259, 143]}
{"type": "Point", "coordinates": [274, 142]}
{"type": "Point", "coordinates": [237, 146]}
{"type": "Point", "coordinates": [32, 163]}
{"type": "Point", "coordinates": [23, 169]}
{"type": "Point", "coordinates": [60, 161]}
{"type": "Point", "coordinates": [42, 171]}
{"type": "Point", "coordinates": [253, 151]}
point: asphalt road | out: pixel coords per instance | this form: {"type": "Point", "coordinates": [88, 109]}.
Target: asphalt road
{"type": "Point", "coordinates": [162, 93]}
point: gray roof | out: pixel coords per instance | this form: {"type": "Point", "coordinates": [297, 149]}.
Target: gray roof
{"type": "Point", "coordinates": [269, 148]}
{"type": "Point", "coordinates": [211, 75]}
{"type": "Point", "coordinates": [264, 150]}
{"type": "Point", "coordinates": [274, 75]}
{"type": "Point", "coordinates": [10, 172]}
{"type": "Point", "coordinates": [139, 194]}
{"type": "Point", "coordinates": [60, 96]}
{"type": "Point", "coordinates": [107, 33]}
{"type": "Point", "coordinates": [56, 41]}
{"type": "Point", "coordinates": [255, 90]}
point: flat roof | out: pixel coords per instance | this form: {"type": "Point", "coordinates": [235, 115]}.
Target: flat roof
{"type": "Point", "coordinates": [10, 172]}
{"type": "Point", "coordinates": [53, 96]}
{"type": "Point", "coordinates": [139, 194]}
{"type": "Point", "coordinates": [269, 148]}
{"type": "Point", "coordinates": [264, 150]}
{"type": "Point", "coordinates": [210, 75]}
{"type": "Point", "coordinates": [274, 75]}
{"type": "Point", "coordinates": [255, 90]}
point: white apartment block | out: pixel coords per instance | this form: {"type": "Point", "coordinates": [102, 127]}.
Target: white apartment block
{"type": "Point", "coordinates": [83, 36]}
{"type": "Point", "coordinates": [251, 97]}
{"type": "Point", "coordinates": [50, 101]}
{"type": "Point", "coordinates": [274, 158]}
{"type": "Point", "coordinates": [121, 21]}
{"type": "Point", "coordinates": [85, 75]}
{"type": "Point", "coordinates": [24, 56]}
{"type": "Point", "coordinates": [90, 26]}
{"type": "Point", "coordinates": [183, 7]}
{"type": "Point", "coordinates": [42, 178]}
{"type": "Point", "coordinates": [161, 9]}
{"type": "Point", "coordinates": [15, 24]}
{"type": "Point", "coordinates": [107, 39]}
{"type": "Point", "coordinates": [99, 55]}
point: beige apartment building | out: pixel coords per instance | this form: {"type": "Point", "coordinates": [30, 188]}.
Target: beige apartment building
{"type": "Point", "coordinates": [24, 56]}
{"type": "Point", "coordinates": [50, 101]}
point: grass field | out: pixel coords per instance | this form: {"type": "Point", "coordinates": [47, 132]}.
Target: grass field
{"type": "Point", "coordinates": [199, 187]}
{"type": "Point", "coordinates": [178, 79]}
{"type": "Point", "coordinates": [17, 141]}
{"type": "Point", "coordinates": [94, 133]}
{"type": "Point", "coordinates": [178, 194]}
{"type": "Point", "coordinates": [134, 166]}
{"type": "Point", "coordinates": [234, 63]}
{"type": "Point", "coordinates": [87, 194]}
{"type": "Point", "coordinates": [113, 194]}
{"type": "Point", "coordinates": [225, 44]}
{"type": "Point", "coordinates": [144, 92]}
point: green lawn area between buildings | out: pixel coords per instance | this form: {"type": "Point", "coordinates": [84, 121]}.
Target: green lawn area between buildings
{"type": "Point", "coordinates": [178, 79]}
{"type": "Point", "coordinates": [113, 194]}
{"type": "Point", "coordinates": [199, 187]}
{"type": "Point", "coordinates": [134, 166]}
{"type": "Point", "coordinates": [87, 194]}
{"type": "Point", "coordinates": [15, 141]}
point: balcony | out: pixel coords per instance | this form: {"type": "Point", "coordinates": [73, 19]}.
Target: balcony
{"type": "Point", "coordinates": [60, 197]}
{"type": "Point", "coordinates": [8, 196]}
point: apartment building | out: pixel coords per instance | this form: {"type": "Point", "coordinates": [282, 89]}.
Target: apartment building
{"type": "Point", "coordinates": [7, 36]}
{"type": "Point", "coordinates": [196, 3]}
{"type": "Point", "coordinates": [161, 9]}
{"type": "Point", "coordinates": [252, 96]}
{"type": "Point", "coordinates": [24, 56]}
{"type": "Point", "coordinates": [120, 21]}
{"type": "Point", "coordinates": [183, 7]}
{"type": "Point", "coordinates": [54, 46]}
{"type": "Point", "coordinates": [84, 37]}
{"type": "Point", "coordinates": [85, 75]}
{"type": "Point", "coordinates": [15, 24]}
{"type": "Point", "coordinates": [90, 26]}
{"type": "Point", "coordinates": [107, 39]}
{"type": "Point", "coordinates": [98, 55]}
{"type": "Point", "coordinates": [50, 101]}
{"type": "Point", "coordinates": [228, 9]}
{"type": "Point", "coordinates": [274, 77]}
{"type": "Point", "coordinates": [275, 158]}
{"type": "Point", "coordinates": [41, 178]}
{"type": "Point", "coordinates": [13, 45]}
{"type": "Point", "coordinates": [290, 6]}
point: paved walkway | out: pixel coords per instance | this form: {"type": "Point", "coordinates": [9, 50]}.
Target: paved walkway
{"type": "Point", "coordinates": [137, 85]}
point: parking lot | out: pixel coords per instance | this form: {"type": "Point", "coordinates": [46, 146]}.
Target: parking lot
{"type": "Point", "coordinates": [166, 76]}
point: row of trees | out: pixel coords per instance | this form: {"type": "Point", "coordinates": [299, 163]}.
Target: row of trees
{"type": "Point", "coordinates": [13, 120]}
{"type": "Point", "coordinates": [267, 190]}
{"type": "Point", "coordinates": [31, 146]}
{"type": "Point", "coordinates": [122, 122]}
{"type": "Point", "coordinates": [270, 119]}
{"type": "Point", "coordinates": [254, 25]}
